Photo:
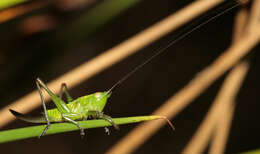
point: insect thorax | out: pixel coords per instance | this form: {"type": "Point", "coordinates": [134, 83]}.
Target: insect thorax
{"type": "Point", "coordinates": [92, 102]}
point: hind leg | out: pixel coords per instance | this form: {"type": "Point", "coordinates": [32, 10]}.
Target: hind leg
{"type": "Point", "coordinates": [44, 110]}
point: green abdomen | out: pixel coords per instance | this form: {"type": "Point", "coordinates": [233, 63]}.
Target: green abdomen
{"type": "Point", "coordinates": [54, 115]}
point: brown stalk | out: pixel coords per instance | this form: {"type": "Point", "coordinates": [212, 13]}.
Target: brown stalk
{"type": "Point", "coordinates": [181, 99]}
{"type": "Point", "coordinates": [222, 130]}
{"type": "Point", "coordinates": [220, 135]}
{"type": "Point", "coordinates": [110, 57]}
{"type": "Point", "coordinates": [253, 22]}
{"type": "Point", "coordinates": [224, 99]}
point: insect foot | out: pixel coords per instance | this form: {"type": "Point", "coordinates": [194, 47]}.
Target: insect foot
{"type": "Point", "coordinates": [107, 131]}
{"type": "Point", "coordinates": [45, 130]}
{"type": "Point", "coordinates": [82, 133]}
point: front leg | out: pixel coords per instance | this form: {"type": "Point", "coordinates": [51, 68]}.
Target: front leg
{"type": "Point", "coordinates": [105, 117]}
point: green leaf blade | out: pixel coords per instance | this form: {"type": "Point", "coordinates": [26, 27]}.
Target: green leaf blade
{"type": "Point", "coordinates": [252, 152]}
{"type": "Point", "coordinates": [8, 3]}
{"type": "Point", "coordinates": [35, 131]}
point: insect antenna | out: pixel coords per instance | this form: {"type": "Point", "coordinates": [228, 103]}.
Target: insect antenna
{"type": "Point", "coordinates": [172, 42]}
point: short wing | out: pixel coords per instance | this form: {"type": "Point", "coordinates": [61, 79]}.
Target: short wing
{"type": "Point", "coordinates": [39, 119]}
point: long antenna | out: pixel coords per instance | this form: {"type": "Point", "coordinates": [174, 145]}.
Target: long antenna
{"type": "Point", "coordinates": [162, 49]}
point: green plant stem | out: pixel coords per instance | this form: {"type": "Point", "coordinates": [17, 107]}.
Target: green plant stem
{"type": "Point", "coordinates": [35, 131]}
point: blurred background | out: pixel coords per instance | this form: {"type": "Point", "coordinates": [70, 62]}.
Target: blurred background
{"type": "Point", "coordinates": [54, 37]}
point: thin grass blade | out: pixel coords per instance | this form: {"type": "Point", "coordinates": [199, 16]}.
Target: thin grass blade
{"type": "Point", "coordinates": [35, 131]}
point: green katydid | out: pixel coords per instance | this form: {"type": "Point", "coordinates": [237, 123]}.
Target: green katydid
{"type": "Point", "coordinates": [77, 109]}
{"type": "Point", "coordinates": [90, 105]}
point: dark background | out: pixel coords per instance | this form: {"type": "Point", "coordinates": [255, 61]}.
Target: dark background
{"type": "Point", "coordinates": [23, 57]}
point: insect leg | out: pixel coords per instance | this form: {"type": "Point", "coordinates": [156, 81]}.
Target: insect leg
{"type": "Point", "coordinates": [60, 104]}
{"type": "Point", "coordinates": [64, 89]}
{"type": "Point", "coordinates": [44, 109]}
{"type": "Point", "coordinates": [106, 117]}
{"type": "Point", "coordinates": [82, 133]}
{"type": "Point", "coordinates": [107, 130]}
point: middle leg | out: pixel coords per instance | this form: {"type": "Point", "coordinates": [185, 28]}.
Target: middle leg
{"type": "Point", "coordinates": [82, 133]}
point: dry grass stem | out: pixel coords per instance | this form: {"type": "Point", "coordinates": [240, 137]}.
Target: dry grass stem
{"type": "Point", "coordinates": [110, 57]}
{"type": "Point", "coordinates": [181, 99]}
{"type": "Point", "coordinates": [226, 96]}
{"type": "Point", "coordinates": [220, 135]}
{"type": "Point", "coordinates": [224, 123]}
{"type": "Point", "coordinates": [222, 130]}
{"type": "Point", "coordinates": [253, 21]}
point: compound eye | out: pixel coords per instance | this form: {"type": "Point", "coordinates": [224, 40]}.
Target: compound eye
{"type": "Point", "coordinates": [98, 95]}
